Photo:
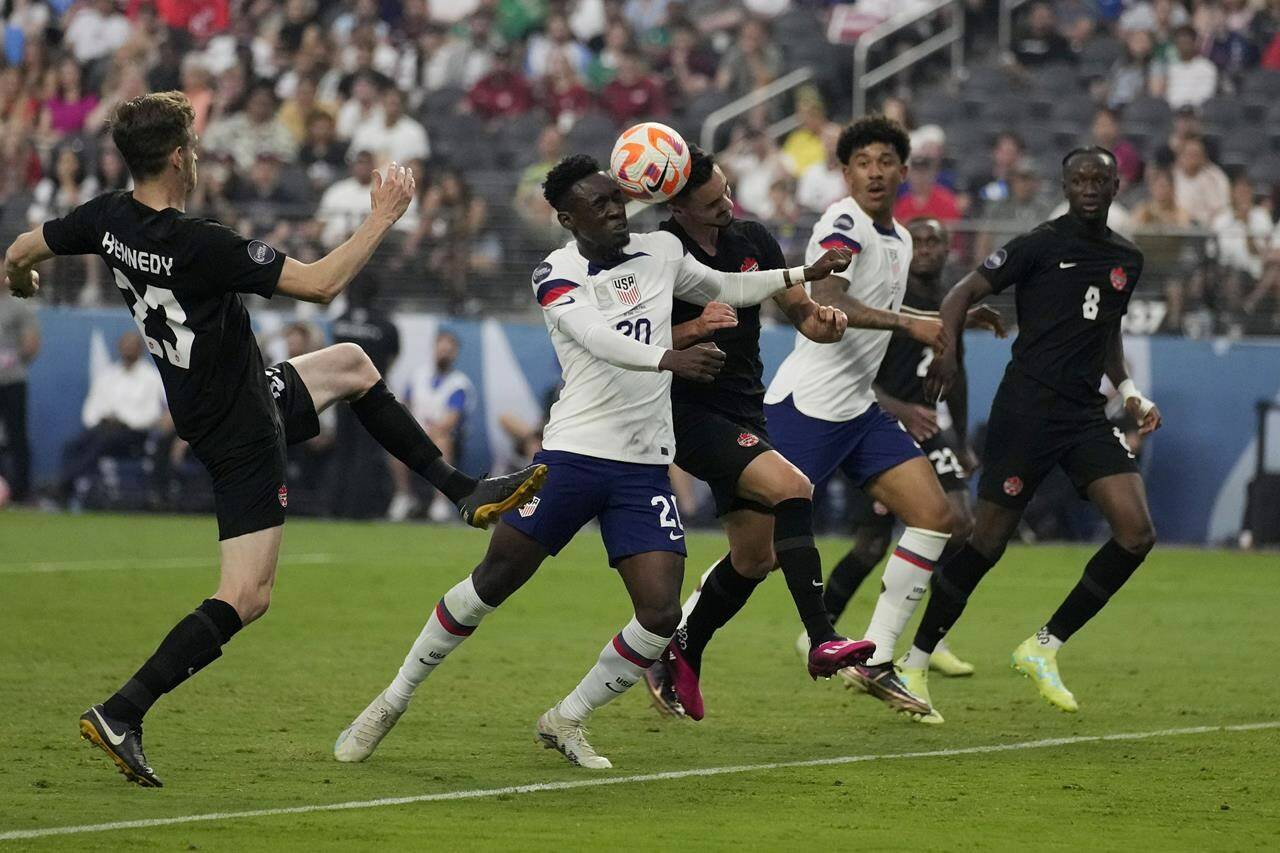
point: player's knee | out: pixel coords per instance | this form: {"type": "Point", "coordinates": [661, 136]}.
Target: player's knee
{"type": "Point", "coordinates": [795, 485]}
{"type": "Point", "coordinates": [250, 603]}
{"type": "Point", "coordinates": [662, 619]}
{"type": "Point", "coordinates": [961, 527]}
{"type": "Point", "coordinates": [754, 562]}
{"type": "Point", "coordinates": [356, 365]}
{"type": "Point", "coordinates": [870, 549]}
{"type": "Point", "coordinates": [1138, 540]}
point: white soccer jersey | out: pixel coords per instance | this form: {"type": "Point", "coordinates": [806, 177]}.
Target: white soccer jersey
{"type": "Point", "coordinates": [832, 382]}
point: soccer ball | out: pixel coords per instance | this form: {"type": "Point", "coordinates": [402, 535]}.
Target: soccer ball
{"type": "Point", "coordinates": [650, 161]}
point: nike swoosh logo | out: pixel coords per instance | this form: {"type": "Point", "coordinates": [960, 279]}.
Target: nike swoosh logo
{"type": "Point", "coordinates": [818, 584]}
{"type": "Point", "coordinates": [656, 185]}
{"type": "Point", "coordinates": [426, 662]}
{"type": "Point", "coordinates": [568, 300]}
{"type": "Point", "coordinates": [115, 739]}
{"type": "Point", "coordinates": [1063, 265]}
{"type": "Point", "coordinates": [674, 537]}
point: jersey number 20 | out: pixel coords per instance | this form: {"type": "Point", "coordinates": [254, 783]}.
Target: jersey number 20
{"type": "Point", "coordinates": [160, 319]}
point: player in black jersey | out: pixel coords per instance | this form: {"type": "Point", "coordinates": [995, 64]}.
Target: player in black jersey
{"type": "Point", "coordinates": [900, 392]}
{"type": "Point", "coordinates": [1074, 277]}
{"type": "Point", "coordinates": [182, 277]}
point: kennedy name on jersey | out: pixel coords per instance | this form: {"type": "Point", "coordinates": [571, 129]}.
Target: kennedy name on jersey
{"type": "Point", "coordinates": [131, 257]}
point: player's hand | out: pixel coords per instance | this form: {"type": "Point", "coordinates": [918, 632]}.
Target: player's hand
{"type": "Point", "coordinates": [824, 324]}
{"type": "Point", "coordinates": [920, 421]}
{"type": "Point", "coordinates": [968, 459]}
{"type": "Point", "coordinates": [716, 316]}
{"type": "Point", "coordinates": [986, 317]}
{"type": "Point", "coordinates": [392, 193]}
{"type": "Point", "coordinates": [698, 363]}
{"type": "Point", "coordinates": [24, 287]}
{"type": "Point", "coordinates": [929, 332]}
{"type": "Point", "coordinates": [1149, 421]}
{"type": "Point", "coordinates": [832, 260]}
{"type": "Point", "coordinates": [941, 376]}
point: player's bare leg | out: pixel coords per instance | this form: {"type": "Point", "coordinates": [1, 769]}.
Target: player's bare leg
{"type": "Point", "coordinates": [343, 372]}
{"type": "Point", "coordinates": [653, 581]}
{"type": "Point", "coordinates": [1122, 499]}
{"type": "Point", "coordinates": [511, 559]}
{"type": "Point", "coordinates": [911, 491]}
{"type": "Point", "coordinates": [248, 573]}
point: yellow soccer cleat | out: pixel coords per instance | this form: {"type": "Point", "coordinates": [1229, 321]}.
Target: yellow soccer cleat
{"type": "Point", "coordinates": [944, 661]}
{"type": "Point", "coordinates": [1041, 666]}
{"type": "Point", "coordinates": [917, 681]}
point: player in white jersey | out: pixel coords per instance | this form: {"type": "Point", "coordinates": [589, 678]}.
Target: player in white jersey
{"type": "Point", "coordinates": [821, 406]}
{"type": "Point", "coordinates": [607, 299]}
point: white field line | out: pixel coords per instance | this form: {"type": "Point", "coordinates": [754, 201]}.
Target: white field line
{"type": "Point", "coordinates": [599, 781]}
{"type": "Point", "coordinates": [210, 562]}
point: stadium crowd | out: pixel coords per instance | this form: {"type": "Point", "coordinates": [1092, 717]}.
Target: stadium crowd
{"type": "Point", "coordinates": [297, 102]}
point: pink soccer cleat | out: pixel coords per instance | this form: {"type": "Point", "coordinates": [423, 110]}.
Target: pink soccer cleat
{"type": "Point", "coordinates": [826, 659]}
{"type": "Point", "coordinates": [682, 680]}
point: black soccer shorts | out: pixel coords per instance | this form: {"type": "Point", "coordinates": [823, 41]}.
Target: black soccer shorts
{"type": "Point", "coordinates": [941, 453]}
{"type": "Point", "coordinates": [1022, 449]}
{"type": "Point", "coordinates": [717, 448]}
{"type": "Point", "coordinates": [249, 488]}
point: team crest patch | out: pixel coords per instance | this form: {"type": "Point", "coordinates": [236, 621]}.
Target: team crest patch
{"type": "Point", "coordinates": [540, 272]}
{"type": "Point", "coordinates": [626, 289]}
{"type": "Point", "coordinates": [1118, 278]}
{"type": "Point", "coordinates": [530, 508]}
{"type": "Point", "coordinates": [996, 259]}
{"type": "Point", "coordinates": [844, 222]}
{"type": "Point", "coordinates": [283, 495]}
{"type": "Point", "coordinates": [261, 253]}
{"type": "Point", "coordinates": [746, 439]}
{"type": "Point", "coordinates": [750, 265]}
{"type": "Point", "coordinates": [1013, 486]}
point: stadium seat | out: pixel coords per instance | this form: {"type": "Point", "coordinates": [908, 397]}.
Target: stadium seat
{"type": "Point", "coordinates": [1223, 112]}
{"type": "Point", "coordinates": [594, 134]}
{"type": "Point", "coordinates": [1150, 113]}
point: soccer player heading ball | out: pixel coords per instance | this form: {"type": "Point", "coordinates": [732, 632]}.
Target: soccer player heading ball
{"type": "Point", "coordinates": [181, 277]}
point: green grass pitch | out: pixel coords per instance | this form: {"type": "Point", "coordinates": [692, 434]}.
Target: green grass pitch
{"type": "Point", "coordinates": [1191, 642]}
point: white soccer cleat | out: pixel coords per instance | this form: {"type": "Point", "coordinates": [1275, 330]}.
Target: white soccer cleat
{"type": "Point", "coordinates": [570, 740]}
{"type": "Point", "coordinates": [358, 740]}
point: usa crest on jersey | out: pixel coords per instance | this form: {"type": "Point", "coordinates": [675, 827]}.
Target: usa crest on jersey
{"type": "Point", "coordinates": [626, 289]}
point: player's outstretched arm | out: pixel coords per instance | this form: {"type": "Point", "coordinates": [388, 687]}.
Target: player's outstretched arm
{"type": "Point", "coordinates": [1141, 409]}
{"type": "Point", "coordinates": [324, 279]}
{"type": "Point", "coordinates": [955, 312]}
{"type": "Point", "coordinates": [833, 291]}
{"type": "Point", "coordinates": [700, 284]}
{"type": "Point", "coordinates": [822, 324]}
{"type": "Point", "coordinates": [594, 333]}
{"type": "Point", "coordinates": [20, 260]}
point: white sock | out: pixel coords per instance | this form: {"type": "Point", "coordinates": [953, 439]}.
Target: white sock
{"type": "Point", "coordinates": [454, 618]}
{"type": "Point", "coordinates": [692, 601]}
{"type": "Point", "coordinates": [916, 659]}
{"type": "Point", "coordinates": [905, 582]}
{"type": "Point", "coordinates": [621, 664]}
{"type": "Point", "coordinates": [1048, 642]}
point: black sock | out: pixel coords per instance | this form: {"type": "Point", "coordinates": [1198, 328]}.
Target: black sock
{"type": "Point", "coordinates": [723, 594]}
{"type": "Point", "coordinates": [1105, 573]}
{"type": "Point", "coordinates": [801, 565]}
{"type": "Point", "coordinates": [844, 581]}
{"type": "Point", "coordinates": [193, 644]}
{"type": "Point", "coordinates": [951, 587]}
{"type": "Point", "coordinates": [400, 434]}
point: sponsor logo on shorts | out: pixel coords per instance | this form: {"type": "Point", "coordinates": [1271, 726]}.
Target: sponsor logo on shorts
{"type": "Point", "coordinates": [530, 508]}
{"type": "Point", "coordinates": [261, 253]}
{"type": "Point", "coordinates": [283, 495]}
{"type": "Point", "coordinates": [750, 265]}
{"type": "Point", "coordinates": [746, 439]}
{"type": "Point", "coordinates": [996, 259]}
{"type": "Point", "coordinates": [1013, 486]}
{"type": "Point", "coordinates": [1118, 278]}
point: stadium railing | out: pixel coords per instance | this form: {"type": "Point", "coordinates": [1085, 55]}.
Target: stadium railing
{"type": "Point", "coordinates": [780, 88]}
{"type": "Point", "coordinates": [949, 13]}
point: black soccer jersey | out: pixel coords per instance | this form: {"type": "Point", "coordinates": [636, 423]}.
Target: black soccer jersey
{"type": "Point", "coordinates": [182, 277]}
{"type": "Point", "coordinates": [1073, 287]}
{"type": "Point", "coordinates": [739, 388]}
{"type": "Point", "coordinates": [902, 371]}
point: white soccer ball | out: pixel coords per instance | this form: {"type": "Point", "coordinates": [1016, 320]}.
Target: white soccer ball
{"type": "Point", "coordinates": [650, 161]}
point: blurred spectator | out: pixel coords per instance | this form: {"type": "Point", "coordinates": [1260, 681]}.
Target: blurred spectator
{"type": "Point", "coordinates": [126, 400]}
{"type": "Point", "coordinates": [322, 153]}
{"type": "Point", "coordinates": [197, 85]}
{"type": "Point", "coordinates": [536, 215]}
{"type": "Point", "coordinates": [262, 198]}
{"type": "Point", "coordinates": [1242, 231]}
{"type": "Point", "coordinates": [563, 96]}
{"type": "Point", "coordinates": [634, 94]}
{"type": "Point", "coordinates": [924, 196]}
{"type": "Point", "coordinates": [252, 132]}
{"type": "Point", "coordinates": [363, 107]}
{"type": "Point", "coordinates": [993, 186]}
{"type": "Point", "coordinates": [804, 146]}
{"type": "Point", "coordinates": [123, 83]}
{"type": "Point", "coordinates": [1186, 78]}
{"type": "Point", "coordinates": [299, 106]}
{"type": "Point", "coordinates": [95, 29]}
{"type": "Point", "coordinates": [393, 138]}
{"type": "Point", "coordinates": [1105, 131]}
{"type": "Point", "coordinates": [1037, 42]}
{"type": "Point", "coordinates": [1230, 47]}
{"type": "Point", "coordinates": [501, 93]}
{"type": "Point", "coordinates": [345, 204]}
{"type": "Point", "coordinates": [440, 397]}
{"type": "Point", "coordinates": [26, 21]}
{"type": "Point", "coordinates": [753, 61]}
{"type": "Point", "coordinates": [823, 184]}
{"type": "Point", "coordinates": [1201, 187]}
{"type": "Point", "coordinates": [556, 41]}
{"type": "Point", "coordinates": [754, 164]}
{"type": "Point", "coordinates": [689, 65]}
{"type": "Point", "coordinates": [1025, 207]}
{"type": "Point", "coordinates": [646, 16]}
{"type": "Point", "coordinates": [452, 232]}
{"type": "Point", "coordinates": [1268, 286]}
{"type": "Point", "coordinates": [1159, 18]}
{"type": "Point", "coordinates": [67, 279]}
{"type": "Point", "coordinates": [617, 41]}
{"type": "Point", "coordinates": [19, 346]}
{"type": "Point", "coordinates": [68, 106]}
{"type": "Point", "coordinates": [441, 60]}
{"type": "Point", "coordinates": [1130, 75]}
{"type": "Point", "coordinates": [1186, 125]}
{"type": "Point", "coordinates": [110, 172]}
{"type": "Point", "coordinates": [898, 110]}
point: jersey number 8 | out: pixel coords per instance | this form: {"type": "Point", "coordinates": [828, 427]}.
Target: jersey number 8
{"type": "Point", "coordinates": [1092, 297]}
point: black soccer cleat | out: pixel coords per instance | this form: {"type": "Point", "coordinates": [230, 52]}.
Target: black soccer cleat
{"type": "Point", "coordinates": [493, 496]}
{"type": "Point", "coordinates": [122, 743]}
{"type": "Point", "coordinates": [882, 681]}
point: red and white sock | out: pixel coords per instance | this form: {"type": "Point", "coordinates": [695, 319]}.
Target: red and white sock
{"type": "Point", "coordinates": [454, 619]}
{"type": "Point", "coordinates": [904, 585]}
{"type": "Point", "coordinates": [621, 664]}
